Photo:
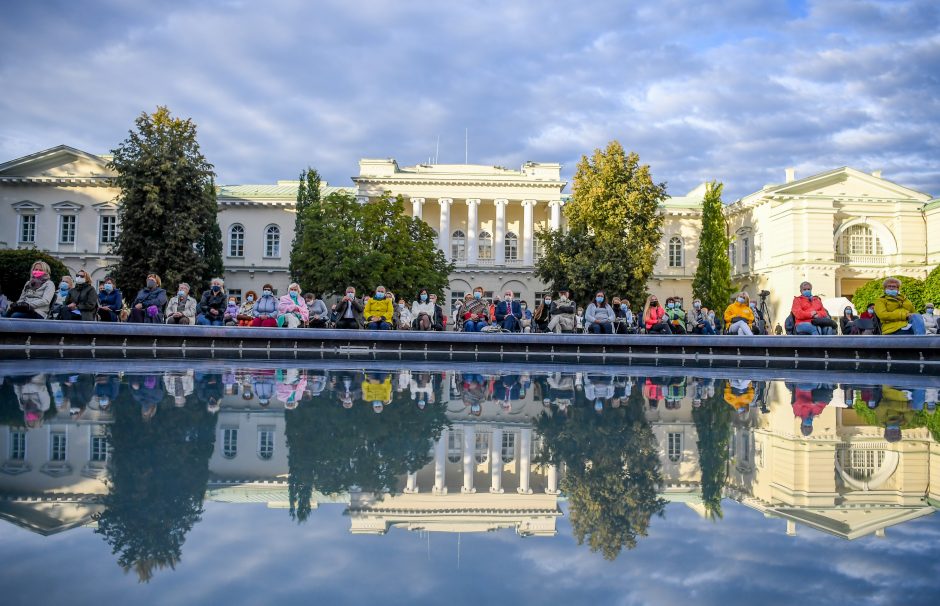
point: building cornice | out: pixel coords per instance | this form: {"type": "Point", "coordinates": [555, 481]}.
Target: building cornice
{"type": "Point", "coordinates": [459, 182]}
{"type": "Point", "coordinates": [62, 181]}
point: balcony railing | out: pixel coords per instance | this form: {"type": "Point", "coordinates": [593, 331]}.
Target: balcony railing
{"type": "Point", "coordinates": [489, 263]}
{"type": "Point", "coordinates": [862, 259]}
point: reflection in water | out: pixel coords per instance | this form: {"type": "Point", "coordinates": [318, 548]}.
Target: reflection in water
{"type": "Point", "coordinates": [458, 451]}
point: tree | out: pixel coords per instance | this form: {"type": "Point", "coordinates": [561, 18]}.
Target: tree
{"type": "Point", "coordinates": [712, 282]}
{"type": "Point", "coordinates": [167, 205]}
{"type": "Point", "coordinates": [345, 243]}
{"type": "Point", "coordinates": [15, 266]}
{"type": "Point", "coordinates": [615, 228]}
{"type": "Point", "coordinates": [932, 287]}
{"type": "Point", "coordinates": [713, 426]}
{"type": "Point", "coordinates": [308, 194]}
{"type": "Point", "coordinates": [912, 288]}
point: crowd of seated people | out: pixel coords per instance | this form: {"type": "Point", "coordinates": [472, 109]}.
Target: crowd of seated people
{"type": "Point", "coordinates": [76, 298]}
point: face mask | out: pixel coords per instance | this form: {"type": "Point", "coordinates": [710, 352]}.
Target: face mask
{"type": "Point", "coordinates": [351, 295]}
{"type": "Point", "coordinates": [753, 305]}
{"type": "Point", "coordinates": [423, 297]}
{"type": "Point", "coordinates": [623, 307]}
{"type": "Point", "coordinates": [808, 293]}
{"type": "Point", "coordinates": [548, 301]}
{"type": "Point", "coordinates": [524, 306]}
{"type": "Point", "coordinates": [379, 295]}
{"type": "Point", "coordinates": [599, 299]}
{"type": "Point", "coordinates": [250, 298]}
{"type": "Point", "coordinates": [580, 312]}
{"type": "Point", "coordinates": [232, 302]}
{"type": "Point", "coordinates": [891, 292]}
{"type": "Point", "coordinates": [654, 303]}
{"type": "Point", "coordinates": [216, 288]}
{"type": "Point", "coordinates": [294, 294]}
{"type": "Point", "coordinates": [929, 311]}
{"type": "Point", "coordinates": [181, 294]}
{"type": "Point", "coordinates": [871, 310]}
{"type": "Point", "coordinates": [63, 286]}
{"type": "Point", "coordinates": [38, 273]}
{"type": "Point", "coordinates": [310, 301]}
{"type": "Point", "coordinates": [108, 287]}
{"type": "Point", "coordinates": [151, 284]}
{"type": "Point", "coordinates": [848, 310]}
{"type": "Point", "coordinates": [740, 299]}
{"type": "Point", "coordinates": [266, 293]}
{"type": "Point", "coordinates": [477, 295]}
{"type": "Point", "coordinates": [670, 305]}
{"type": "Point", "coordinates": [507, 297]}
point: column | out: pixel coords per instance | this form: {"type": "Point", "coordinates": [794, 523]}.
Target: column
{"type": "Point", "coordinates": [496, 461]}
{"type": "Point", "coordinates": [552, 487]}
{"type": "Point", "coordinates": [528, 229]}
{"type": "Point", "coordinates": [555, 222]}
{"type": "Point", "coordinates": [469, 462]}
{"type": "Point", "coordinates": [525, 460]}
{"type": "Point", "coordinates": [499, 232]}
{"type": "Point", "coordinates": [417, 206]}
{"type": "Point", "coordinates": [412, 486]}
{"type": "Point", "coordinates": [440, 461]}
{"type": "Point", "coordinates": [473, 246]}
{"type": "Point", "coordinates": [444, 239]}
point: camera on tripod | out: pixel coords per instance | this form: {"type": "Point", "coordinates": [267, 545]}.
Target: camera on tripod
{"type": "Point", "coordinates": [764, 294]}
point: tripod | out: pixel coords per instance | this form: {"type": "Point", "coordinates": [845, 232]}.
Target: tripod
{"type": "Point", "coordinates": [764, 312]}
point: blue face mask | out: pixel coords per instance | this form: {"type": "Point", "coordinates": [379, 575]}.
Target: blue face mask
{"type": "Point", "coordinates": [623, 307]}
{"type": "Point", "coordinates": [891, 292]}
{"type": "Point", "coordinates": [599, 299]}
{"type": "Point", "coordinates": [108, 287]}
{"type": "Point", "coordinates": [266, 293]}
{"type": "Point", "coordinates": [671, 305]}
{"type": "Point", "coordinates": [181, 294]}
{"type": "Point", "coordinates": [424, 297]}
{"type": "Point", "coordinates": [477, 295]}
{"type": "Point", "coordinates": [63, 286]}
{"type": "Point", "coordinates": [807, 293]}
{"type": "Point", "coordinates": [250, 298]}
{"type": "Point", "coordinates": [380, 295]}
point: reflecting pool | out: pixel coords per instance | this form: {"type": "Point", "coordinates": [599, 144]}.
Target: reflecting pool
{"type": "Point", "coordinates": [263, 483]}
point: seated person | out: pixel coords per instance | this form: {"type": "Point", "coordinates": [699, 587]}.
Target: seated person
{"type": "Point", "coordinates": [58, 309]}
{"type": "Point", "coordinates": [508, 313]}
{"type": "Point", "coordinates": [265, 309]}
{"type": "Point", "coordinates": [848, 322]}
{"type": "Point", "coordinates": [211, 306]}
{"type": "Point", "coordinates": [738, 316]}
{"type": "Point", "coordinates": [654, 317]}
{"type": "Point", "coordinates": [526, 317]}
{"type": "Point", "coordinates": [379, 311]}
{"type": "Point", "coordinates": [181, 309]}
{"type": "Point", "coordinates": [292, 308]}
{"type": "Point", "coordinates": [82, 302]}
{"type": "Point", "coordinates": [699, 319]}
{"type": "Point", "coordinates": [896, 312]}
{"type": "Point", "coordinates": [599, 316]}
{"type": "Point", "coordinates": [110, 302]}
{"type": "Point", "coordinates": [562, 313]}
{"type": "Point", "coordinates": [675, 316]}
{"type": "Point", "coordinates": [405, 319]}
{"type": "Point", "coordinates": [930, 320]}
{"type": "Point", "coordinates": [423, 311]}
{"type": "Point", "coordinates": [317, 315]}
{"type": "Point", "coordinates": [148, 306]}
{"type": "Point", "coordinates": [349, 311]}
{"type": "Point", "coordinates": [475, 313]}
{"type": "Point", "coordinates": [809, 315]}
{"type": "Point", "coordinates": [230, 316]}
{"type": "Point", "coordinates": [244, 315]}
{"type": "Point", "coordinates": [439, 320]}
{"type": "Point", "coordinates": [542, 315]}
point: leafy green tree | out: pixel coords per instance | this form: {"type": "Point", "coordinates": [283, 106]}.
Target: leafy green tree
{"type": "Point", "coordinates": [615, 228]}
{"type": "Point", "coordinates": [932, 287]}
{"type": "Point", "coordinates": [713, 426]}
{"type": "Point", "coordinates": [308, 194]}
{"type": "Point", "coordinates": [15, 266]}
{"type": "Point", "coordinates": [158, 471]}
{"type": "Point", "coordinates": [168, 209]}
{"type": "Point", "coordinates": [345, 243]}
{"type": "Point", "coordinates": [912, 288]}
{"type": "Point", "coordinates": [712, 282]}
{"type": "Point", "coordinates": [612, 474]}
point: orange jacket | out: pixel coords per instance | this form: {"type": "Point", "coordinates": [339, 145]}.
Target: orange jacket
{"type": "Point", "coordinates": [803, 309]}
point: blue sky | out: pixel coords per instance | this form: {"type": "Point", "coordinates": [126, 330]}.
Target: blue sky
{"type": "Point", "coordinates": [735, 90]}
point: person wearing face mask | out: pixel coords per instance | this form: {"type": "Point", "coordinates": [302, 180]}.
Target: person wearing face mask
{"type": "Point", "coordinates": [526, 317]}
{"type": "Point", "coordinates": [349, 311]}
{"type": "Point", "coordinates": [422, 311]}
{"type": "Point", "coordinates": [930, 320]}
{"type": "Point", "coordinates": [562, 313]}
{"type": "Point", "coordinates": [654, 317]}
{"type": "Point", "coordinates": [82, 301]}
{"type": "Point", "coordinates": [230, 317]}
{"type": "Point", "coordinates": [379, 311]}
{"type": "Point", "coordinates": [440, 321]}
{"type": "Point", "coordinates": [508, 313]}
{"type": "Point", "coordinates": [292, 309]}
{"type": "Point", "coordinates": [404, 319]}
{"type": "Point", "coordinates": [149, 303]}
{"type": "Point", "coordinates": [809, 315]}
{"type": "Point", "coordinates": [211, 308]}
{"type": "Point", "coordinates": [847, 322]}
{"type": "Point", "coordinates": [110, 301]}
{"type": "Point", "coordinates": [182, 308]}
{"type": "Point", "coordinates": [543, 314]}
{"type": "Point", "coordinates": [244, 315]}
{"type": "Point", "coordinates": [36, 297]}
{"type": "Point", "coordinates": [474, 312]}
{"type": "Point", "coordinates": [675, 316]}
{"type": "Point", "coordinates": [317, 315]}
{"type": "Point", "coordinates": [738, 316]}
{"type": "Point", "coordinates": [265, 309]}
{"type": "Point", "coordinates": [58, 309]}
{"type": "Point", "coordinates": [699, 319]}
{"type": "Point", "coordinates": [599, 316]}
{"type": "Point", "coordinates": [896, 312]}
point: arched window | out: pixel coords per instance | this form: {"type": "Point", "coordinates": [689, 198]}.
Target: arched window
{"type": "Point", "coordinates": [230, 442]}
{"type": "Point", "coordinates": [674, 446]}
{"type": "Point", "coordinates": [454, 446]}
{"type": "Point", "coordinates": [272, 241]}
{"type": "Point", "coordinates": [458, 246]}
{"type": "Point", "coordinates": [486, 245]}
{"type": "Point", "coordinates": [508, 451]}
{"type": "Point", "coordinates": [675, 251]}
{"type": "Point", "coordinates": [236, 241]}
{"type": "Point", "coordinates": [512, 246]}
{"type": "Point", "coordinates": [860, 240]}
{"type": "Point", "coordinates": [481, 447]}
{"type": "Point", "coordinates": [265, 443]}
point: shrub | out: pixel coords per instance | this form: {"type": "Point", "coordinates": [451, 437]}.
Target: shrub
{"type": "Point", "coordinates": [912, 288]}
{"type": "Point", "coordinates": [15, 266]}
{"type": "Point", "coordinates": [932, 287]}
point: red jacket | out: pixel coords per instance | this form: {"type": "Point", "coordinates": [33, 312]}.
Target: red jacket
{"type": "Point", "coordinates": [804, 406]}
{"type": "Point", "coordinates": [803, 309]}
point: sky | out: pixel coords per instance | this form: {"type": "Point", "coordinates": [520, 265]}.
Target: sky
{"type": "Point", "coordinates": [735, 90]}
{"type": "Point", "coordinates": [248, 554]}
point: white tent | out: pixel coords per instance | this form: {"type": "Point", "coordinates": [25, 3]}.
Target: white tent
{"type": "Point", "coordinates": [836, 306]}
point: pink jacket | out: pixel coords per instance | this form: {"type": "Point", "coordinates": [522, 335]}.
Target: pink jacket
{"type": "Point", "coordinates": [286, 305]}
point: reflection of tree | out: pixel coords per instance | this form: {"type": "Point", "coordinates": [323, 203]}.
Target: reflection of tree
{"type": "Point", "coordinates": [158, 474]}
{"type": "Point", "coordinates": [612, 474]}
{"type": "Point", "coordinates": [331, 448]}
{"type": "Point", "coordinates": [713, 425]}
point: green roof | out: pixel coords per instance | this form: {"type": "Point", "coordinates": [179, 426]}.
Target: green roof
{"type": "Point", "coordinates": [282, 190]}
{"type": "Point", "coordinates": [935, 203]}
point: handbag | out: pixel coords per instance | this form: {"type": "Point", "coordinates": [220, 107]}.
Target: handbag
{"type": "Point", "coordinates": [824, 322]}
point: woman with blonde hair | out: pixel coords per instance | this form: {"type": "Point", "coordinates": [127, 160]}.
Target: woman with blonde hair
{"type": "Point", "coordinates": [738, 316]}
{"type": "Point", "coordinates": [654, 316]}
{"type": "Point", "coordinates": [37, 294]}
{"type": "Point", "coordinates": [292, 309]}
{"type": "Point", "coordinates": [150, 301]}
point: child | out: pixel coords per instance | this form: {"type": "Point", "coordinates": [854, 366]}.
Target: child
{"type": "Point", "coordinates": [230, 317]}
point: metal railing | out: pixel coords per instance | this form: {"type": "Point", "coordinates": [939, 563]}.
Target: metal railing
{"type": "Point", "coordinates": [862, 259]}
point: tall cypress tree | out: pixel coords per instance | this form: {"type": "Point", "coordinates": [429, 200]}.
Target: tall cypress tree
{"type": "Point", "coordinates": [167, 205]}
{"type": "Point", "coordinates": [308, 195]}
{"type": "Point", "coordinates": [712, 282]}
{"type": "Point", "coordinates": [713, 426]}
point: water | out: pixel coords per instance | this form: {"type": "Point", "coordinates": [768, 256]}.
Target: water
{"type": "Point", "coordinates": [611, 485]}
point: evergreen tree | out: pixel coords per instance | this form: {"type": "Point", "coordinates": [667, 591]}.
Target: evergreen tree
{"type": "Point", "coordinates": [308, 194]}
{"type": "Point", "coordinates": [615, 228]}
{"type": "Point", "coordinates": [712, 282]}
{"type": "Point", "coordinates": [167, 205]}
{"type": "Point", "coordinates": [713, 426]}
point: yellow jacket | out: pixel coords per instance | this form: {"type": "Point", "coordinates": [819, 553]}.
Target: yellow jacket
{"type": "Point", "coordinates": [383, 308]}
{"type": "Point", "coordinates": [739, 400]}
{"type": "Point", "coordinates": [377, 391]}
{"type": "Point", "coordinates": [738, 310]}
{"type": "Point", "coordinates": [892, 312]}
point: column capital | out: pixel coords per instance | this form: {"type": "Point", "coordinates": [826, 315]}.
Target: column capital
{"type": "Point", "coordinates": [521, 490]}
{"type": "Point", "coordinates": [439, 491]}
{"type": "Point", "coordinates": [529, 202]}
{"type": "Point", "coordinates": [445, 201]}
{"type": "Point", "coordinates": [418, 200]}
{"type": "Point", "coordinates": [501, 201]}
{"type": "Point", "coordinates": [553, 203]}
{"type": "Point", "coordinates": [466, 490]}
{"type": "Point", "coordinates": [410, 491]}
{"type": "Point", "coordinates": [472, 201]}
{"type": "Point", "coordinates": [496, 490]}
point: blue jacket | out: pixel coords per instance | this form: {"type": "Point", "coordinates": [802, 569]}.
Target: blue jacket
{"type": "Point", "coordinates": [503, 309]}
{"type": "Point", "coordinates": [265, 305]}
{"type": "Point", "coordinates": [146, 297]}
{"type": "Point", "coordinates": [111, 300]}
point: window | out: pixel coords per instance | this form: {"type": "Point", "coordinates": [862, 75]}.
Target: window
{"type": "Point", "coordinates": [745, 449]}
{"type": "Point", "coordinates": [272, 241]}
{"type": "Point", "coordinates": [67, 229]}
{"type": "Point", "coordinates": [454, 446]}
{"type": "Point", "coordinates": [458, 246]}
{"type": "Point", "coordinates": [508, 451]}
{"type": "Point", "coordinates": [675, 251]}
{"type": "Point", "coordinates": [108, 229]}
{"type": "Point", "coordinates": [732, 256]}
{"type": "Point", "coordinates": [745, 252]}
{"type": "Point", "coordinates": [265, 442]}
{"type": "Point", "coordinates": [481, 448]}
{"type": "Point", "coordinates": [860, 240]}
{"type": "Point", "coordinates": [512, 246]}
{"type": "Point", "coordinates": [674, 446]}
{"type": "Point", "coordinates": [18, 445]}
{"type": "Point", "coordinates": [230, 442]}
{"type": "Point", "coordinates": [235, 292]}
{"type": "Point", "coordinates": [58, 446]}
{"type": "Point", "coordinates": [456, 296]}
{"type": "Point", "coordinates": [99, 448]}
{"type": "Point", "coordinates": [28, 229]}
{"type": "Point", "coordinates": [485, 242]}
{"type": "Point", "coordinates": [539, 249]}
{"type": "Point", "coordinates": [236, 241]}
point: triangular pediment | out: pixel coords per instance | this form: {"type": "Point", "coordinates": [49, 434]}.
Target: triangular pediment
{"type": "Point", "coordinates": [852, 523]}
{"type": "Point", "coordinates": [59, 162]}
{"type": "Point", "coordinates": [848, 182]}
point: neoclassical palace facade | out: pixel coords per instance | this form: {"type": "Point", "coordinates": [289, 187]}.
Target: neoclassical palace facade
{"type": "Point", "coordinates": [837, 229]}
